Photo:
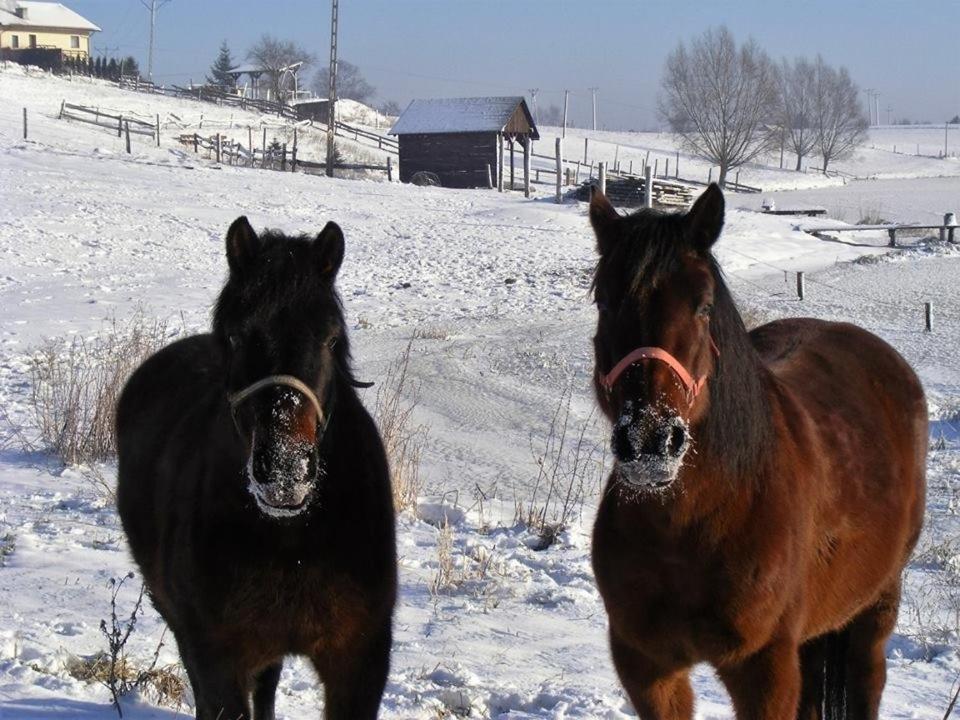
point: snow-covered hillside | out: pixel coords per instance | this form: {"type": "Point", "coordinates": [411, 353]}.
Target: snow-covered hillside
{"type": "Point", "coordinates": [494, 290]}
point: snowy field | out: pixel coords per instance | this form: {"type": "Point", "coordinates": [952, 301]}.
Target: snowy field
{"type": "Point", "coordinates": [494, 288]}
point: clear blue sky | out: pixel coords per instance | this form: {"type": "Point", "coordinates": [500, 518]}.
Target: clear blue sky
{"type": "Point", "coordinates": [444, 48]}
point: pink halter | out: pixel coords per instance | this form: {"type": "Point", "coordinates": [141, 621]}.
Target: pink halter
{"type": "Point", "coordinates": [692, 385]}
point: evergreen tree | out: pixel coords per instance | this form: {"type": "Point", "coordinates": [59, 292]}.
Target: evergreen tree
{"type": "Point", "coordinates": [130, 67]}
{"type": "Point", "coordinates": [89, 66]}
{"type": "Point", "coordinates": [113, 70]}
{"type": "Point", "coordinates": [220, 70]}
{"type": "Point", "coordinates": [98, 67]}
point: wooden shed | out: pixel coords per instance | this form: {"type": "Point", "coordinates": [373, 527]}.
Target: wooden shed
{"type": "Point", "coordinates": [458, 139]}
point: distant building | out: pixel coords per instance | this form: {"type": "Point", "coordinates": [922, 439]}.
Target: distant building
{"type": "Point", "coordinates": [458, 139]}
{"type": "Point", "coordinates": [31, 25]}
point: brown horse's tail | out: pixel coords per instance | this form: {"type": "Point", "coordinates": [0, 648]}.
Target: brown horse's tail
{"type": "Point", "coordinates": [835, 675]}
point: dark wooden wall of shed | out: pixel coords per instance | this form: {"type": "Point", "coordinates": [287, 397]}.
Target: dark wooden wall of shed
{"type": "Point", "coordinates": [459, 159]}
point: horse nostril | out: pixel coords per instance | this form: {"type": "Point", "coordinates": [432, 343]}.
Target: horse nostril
{"type": "Point", "coordinates": [677, 441]}
{"type": "Point", "coordinates": [623, 448]}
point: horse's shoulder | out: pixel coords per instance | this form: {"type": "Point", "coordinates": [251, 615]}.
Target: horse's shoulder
{"type": "Point", "coordinates": [184, 368]}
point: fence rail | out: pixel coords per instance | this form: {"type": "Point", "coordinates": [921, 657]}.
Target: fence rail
{"type": "Point", "coordinates": [107, 120]}
{"type": "Point", "coordinates": [272, 157]}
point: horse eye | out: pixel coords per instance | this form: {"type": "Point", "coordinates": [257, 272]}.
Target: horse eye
{"type": "Point", "coordinates": [706, 310]}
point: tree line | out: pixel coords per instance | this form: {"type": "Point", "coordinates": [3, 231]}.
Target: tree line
{"type": "Point", "coordinates": [101, 67]}
{"type": "Point", "coordinates": [731, 103]}
{"type": "Point", "coordinates": [273, 55]}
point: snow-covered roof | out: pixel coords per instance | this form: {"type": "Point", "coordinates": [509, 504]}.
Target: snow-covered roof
{"type": "Point", "coordinates": [42, 14]}
{"type": "Point", "coordinates": [458, 115]}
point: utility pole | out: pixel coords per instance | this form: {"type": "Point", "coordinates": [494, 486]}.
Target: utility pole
{"type": "Point", "coordinates": [876, 102]}
{"type": "Point", "coordinates": [152, 6]}
{"type": "Point", "coordinates": [533, 98]}
{"type": "Point", "coordinates": [332, 97]}
{"type": "Point", "coordinates": [566, 102]}
{"type": "Point", "coordinates": [593, 91]}
{"type": "Point", "coordinates": [869, 93]}
{"type": "Point", "coordinates": [889, 111]}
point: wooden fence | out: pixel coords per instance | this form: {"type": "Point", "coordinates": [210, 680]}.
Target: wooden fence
{"type": "Point", "coordinates": [272, 157]}
{"type": "Point", "coordinates": [109, 121]}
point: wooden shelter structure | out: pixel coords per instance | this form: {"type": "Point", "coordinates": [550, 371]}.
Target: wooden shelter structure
{"type": "Point", "coordinates": [462, 140]}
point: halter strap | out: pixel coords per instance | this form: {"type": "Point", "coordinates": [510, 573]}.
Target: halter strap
{"type": "Point", "coordinates": [270, 381]}
{"type": "Point", "coordinates": [693, 385]}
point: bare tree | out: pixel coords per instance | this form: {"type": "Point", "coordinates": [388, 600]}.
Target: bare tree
{"type": "Point", "coordinates": [720, 99]}
{"type": "Point", "coordinates": [350, 83]}
{"type": "Point", "coordinates": [275, 56]}
{"type": "Point", "coordinates": [797, 99]}
{"type": "Point", "coordinates": [839, 121]}
{"type": "Point", "coordinates": [551, 116]}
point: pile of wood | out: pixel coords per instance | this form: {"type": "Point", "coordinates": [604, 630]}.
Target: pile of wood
{"type": "Point", "coordinates": [628, 192]}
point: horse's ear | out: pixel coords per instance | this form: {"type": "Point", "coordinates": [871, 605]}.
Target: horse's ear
{"type": "Point", "coordinates": [603, 218]}
{"type": "Point", "coordinates": [705, 220]}
{"type": "Point", "coordinates": [329, 248]}
{"type": "Point", "coordinates": [242, 244]}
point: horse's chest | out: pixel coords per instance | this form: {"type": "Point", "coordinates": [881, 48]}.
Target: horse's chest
{"type": "Point", "coordinates": [297, 610]}
{"type": "Point", "coordinates": [686, 604]}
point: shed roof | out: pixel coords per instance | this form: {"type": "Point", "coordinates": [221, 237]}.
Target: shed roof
{"type": "Point", "coordinates": [461, 115]}
{"type": "Point", "coordinates": [43, 14]}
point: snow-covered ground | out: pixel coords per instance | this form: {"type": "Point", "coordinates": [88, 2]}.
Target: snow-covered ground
{"type": "Point", "coordinates": [495, 288]}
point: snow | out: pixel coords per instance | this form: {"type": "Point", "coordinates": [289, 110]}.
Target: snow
{"type": "Point", "coordinates": [456, 115]}
{"type": "Point", "coordinates": [45, 15]}
{"type": "Point", "coordinates": [496, 290]}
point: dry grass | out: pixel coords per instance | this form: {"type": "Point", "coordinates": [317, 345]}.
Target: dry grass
{"type": "Point", "coordinates": [457, 570]}
{"type": "Point", "coordinates": [113, 669]}
{"type": "Point", "coordinates": [403, 440]}
{"type": "Point", "coordinates": [75, 384]}
{"type": "Point", "coordinates": [570, 466]}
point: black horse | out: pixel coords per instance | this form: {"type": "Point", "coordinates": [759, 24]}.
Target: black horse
{"type": "Point", "coordinates": [254, 489]}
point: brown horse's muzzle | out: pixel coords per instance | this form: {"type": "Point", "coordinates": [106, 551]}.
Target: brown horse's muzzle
{"type": "Point", "coordinates": [649, 446]}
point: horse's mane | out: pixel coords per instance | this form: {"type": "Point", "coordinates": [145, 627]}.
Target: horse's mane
{"type": "Point", "coordinates": [285, 276]}
{"type": "Point", "coordinates": [738, 429]}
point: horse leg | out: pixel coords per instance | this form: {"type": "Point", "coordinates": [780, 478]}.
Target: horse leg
{"type": "Point", "coordinates": [656, 694]}
{"type": "Point", "coordinates": [265, 691]}
{"type": "Point", "coordinates": [353, 683]}
{"type": "Point", "coordinates": [766, 686]}
{"type": "Point", "coordinates": [812, 658]}
{"type": "Point", "coordinates": [219, 689]}
{"type": "Point", "coordinates": [866, 668]}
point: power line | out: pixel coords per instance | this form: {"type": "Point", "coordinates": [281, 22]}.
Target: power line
{"type": "Point", "coordinates": [152, 6]}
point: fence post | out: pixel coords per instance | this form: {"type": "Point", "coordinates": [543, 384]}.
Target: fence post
{"type": "Point", "coordinates": [710, 176]}
{"type": "Point", "coordinates": [676, 169]}
{"type": "Point", "coordinates": [736, 180]}
{"type": "Point", "coordinates": [892, 233]}
{"type": "Point", "coordinates": [283, 158]}
{"type": "Point", "coordinates": [196, 143]}
{"type": "Point", "coordinates": [666, 171]}
{"type": "Point", "coordinates": [390, 169]}
{"type": "Point", "coordinates": [120, 126]}
{"type": "Point", "coordinates": [158, 129]}
{"type": "Point", "coordinates": [576, 175]}
{"type": "Point", "coordinates": [527, 151]}
{"type": "Point", "coordinates": [647, 187]}
{"type": "Point", "coordinates": [928, 316]}
{"type": "Point", "coordinates": [559, 152]}
{"type": "Point", "coordinates": [603, 178]}
{"type": "Point", "coordinates": [24, 123]}
{"type": "Point", "coordinates": [500, 165]}
{"type": "Point", "coordinates": [800, 285]}
{"type": "Point", "coordinates": [656, 166]}
{"type": "Point", "coordinates": [586, 142]}
{"type": "Point", "coordinates": [62, 103]}
{"type": "Point", "coordinates": [631, 168]}
{"type": "Point", "coordinates": [218, 147]}
{"type": "Point", "coordinates": [128, 137]}
{"type": "Point", "coordinates": [489, 177]}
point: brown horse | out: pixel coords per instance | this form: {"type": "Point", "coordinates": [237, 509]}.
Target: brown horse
{"type": "Point", "coordinates": [768, 486]}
